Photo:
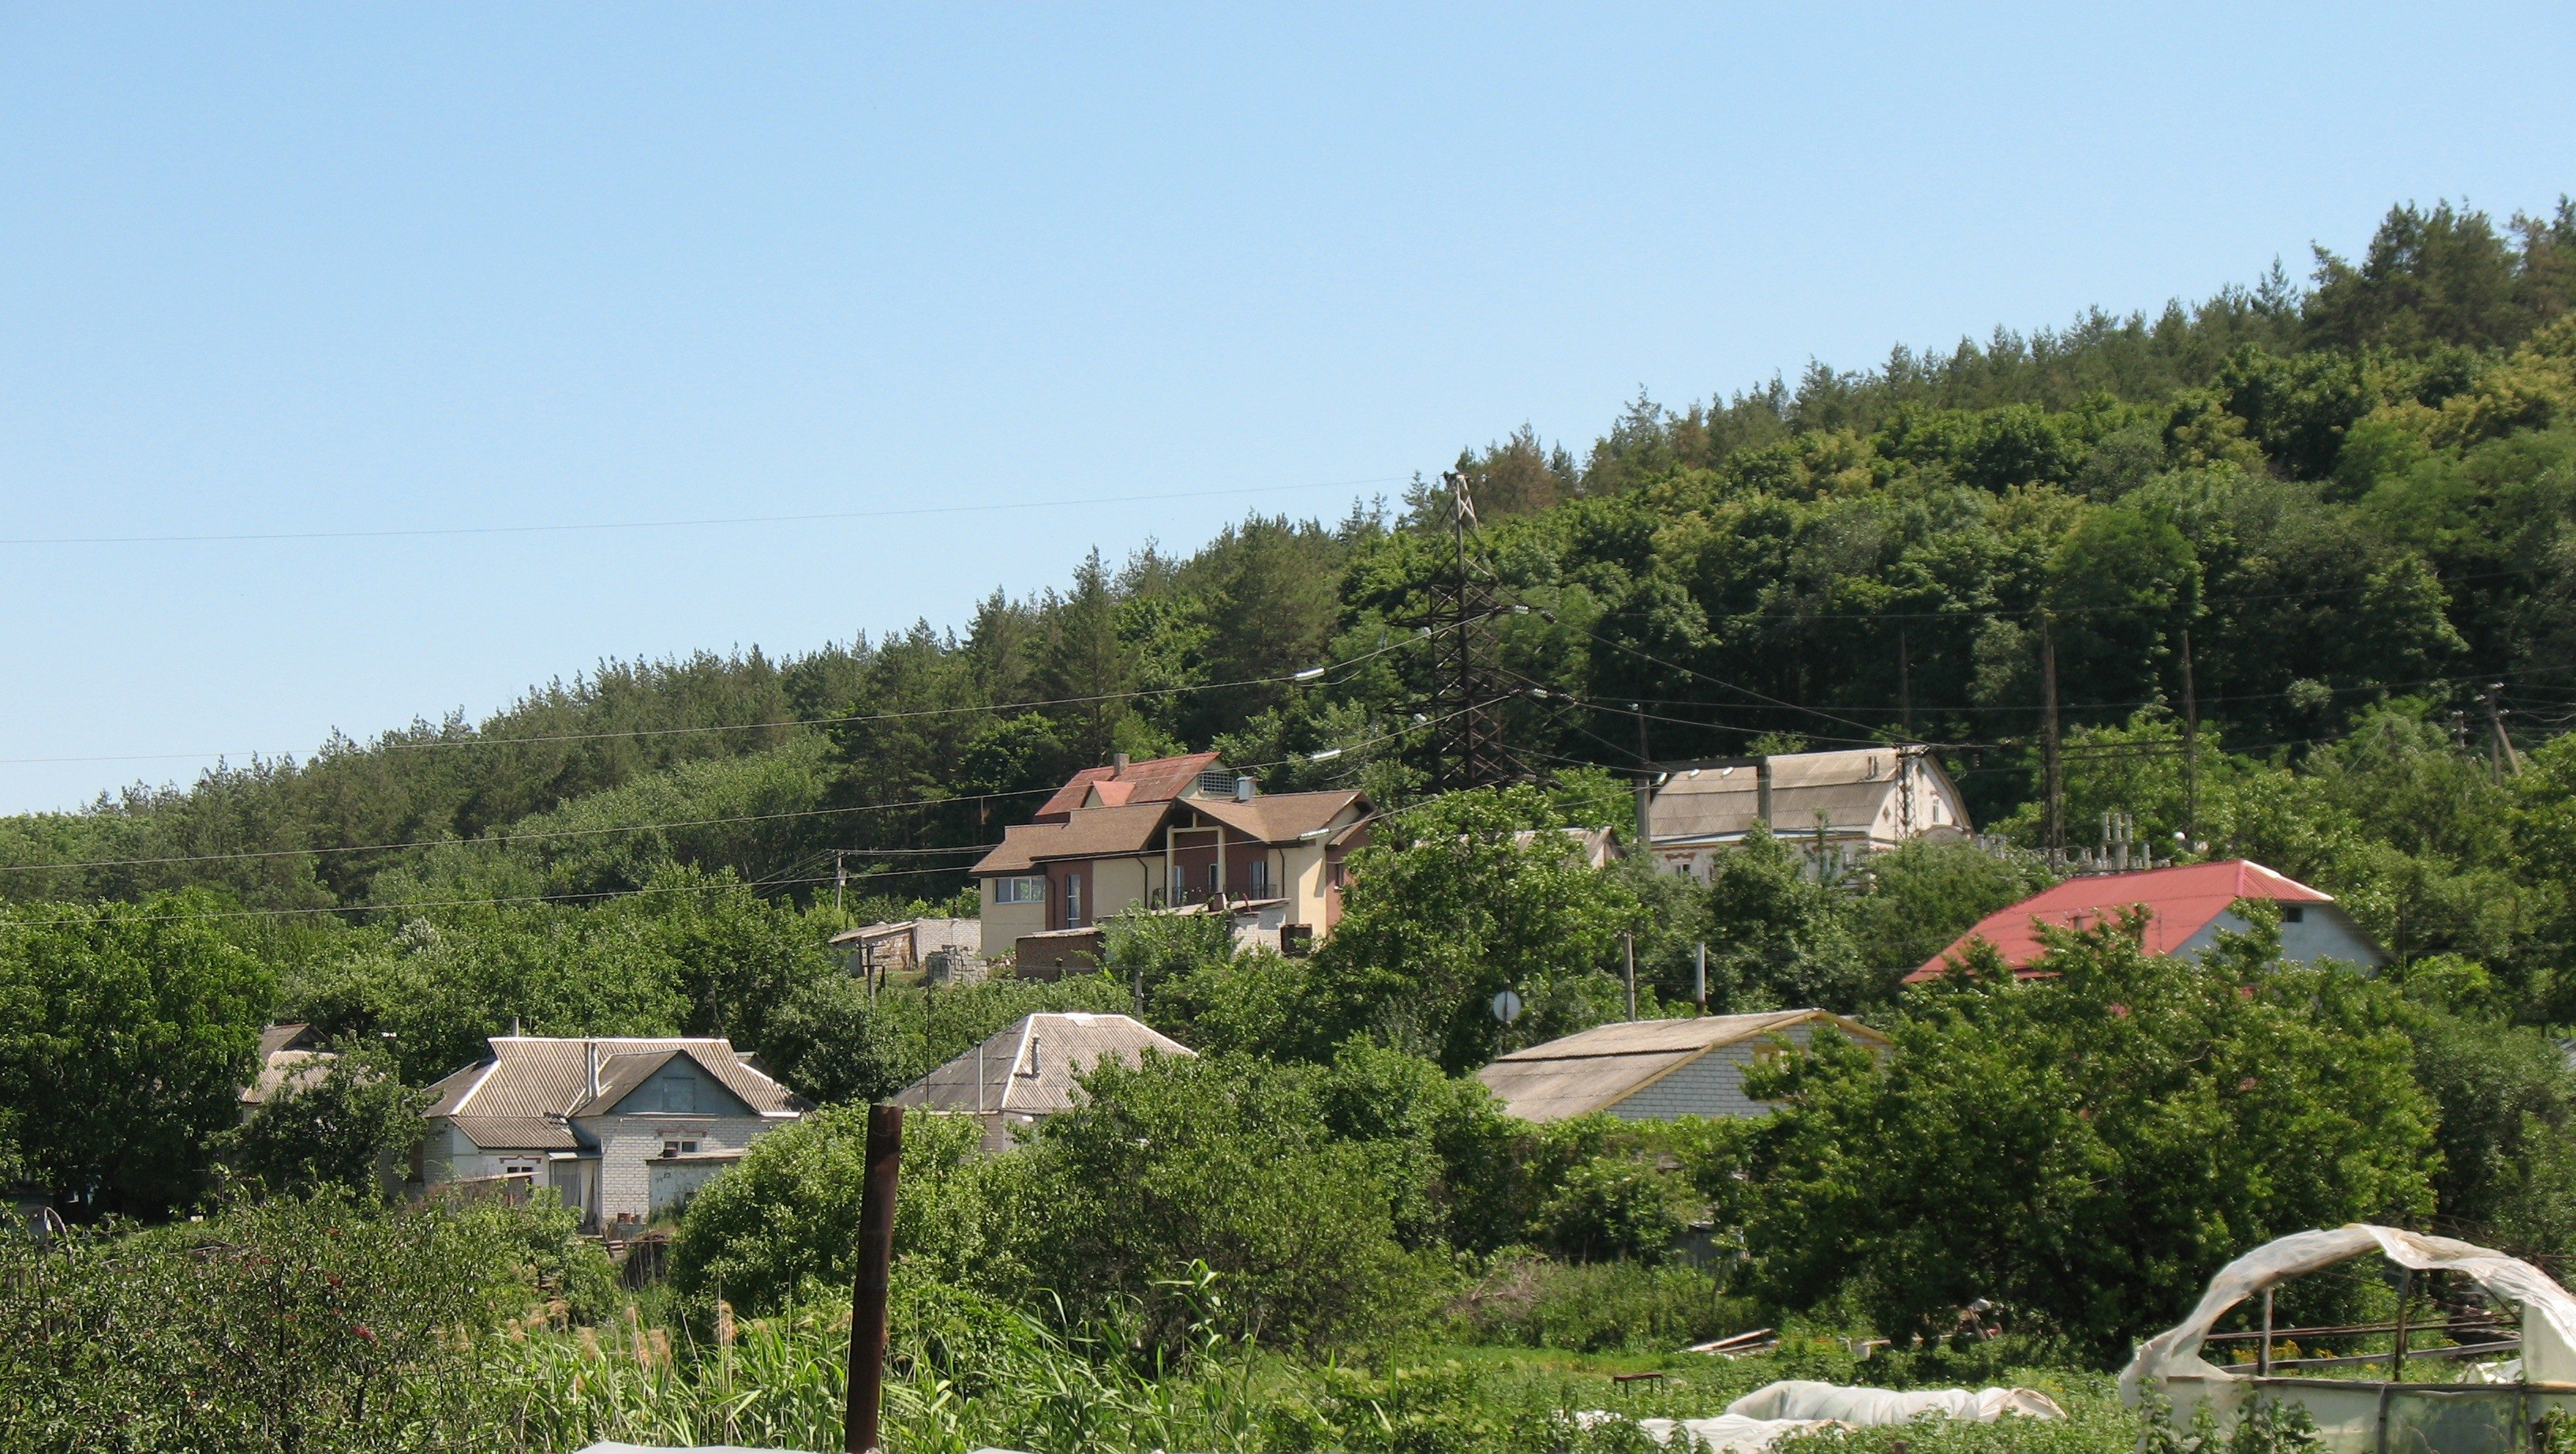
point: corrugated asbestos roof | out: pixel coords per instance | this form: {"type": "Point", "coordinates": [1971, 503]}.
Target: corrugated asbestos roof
{"type": "Point", "coordinates": [2180, 902]}
{"type": "Point", "coordinates": [1031, 1067]}
{"type": "Point", "coordinates": [1598, 1068]}
{"type": "Point", "coordinates": [534, 1078]}
{"type": "Point", "coordinates": [1849, 788]}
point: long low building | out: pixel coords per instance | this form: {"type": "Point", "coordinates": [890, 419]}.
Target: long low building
{"type": "Point", "coordinates": [1657, 1070]}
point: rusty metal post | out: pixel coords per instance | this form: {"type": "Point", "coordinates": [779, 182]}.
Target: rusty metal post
{"type": "Point", "coordinates": [868, 1289]}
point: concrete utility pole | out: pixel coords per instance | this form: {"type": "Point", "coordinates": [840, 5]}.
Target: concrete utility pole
{"type": "Point", "coordinates": [1628, 950]}
{"type": "Point", "coordinates": [2052, 770]}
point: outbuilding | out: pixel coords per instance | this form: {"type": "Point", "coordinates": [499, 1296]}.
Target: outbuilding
{"type": "Point", "coordinates": [1033, 1069]}
{"type": "Point", "coordinates": [1658, 1070]}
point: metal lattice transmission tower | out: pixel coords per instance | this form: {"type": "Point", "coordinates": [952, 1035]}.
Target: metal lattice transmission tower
{"type": "Point", "coordinates": [1466, 669]}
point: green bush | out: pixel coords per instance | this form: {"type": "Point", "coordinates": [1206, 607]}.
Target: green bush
{"type": "Point", "coordinates": [1526, 1300]}
{"type": "Point", "coordinates": [789, 1211]}
{"type": "Point", "coordinates": [292, 1324]}
{"type": "Point", "coordinates": [1227, 1161]}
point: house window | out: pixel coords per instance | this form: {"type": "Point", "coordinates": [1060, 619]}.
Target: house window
{"type": "Point", "coordinates": [1214, 869]}
{"type": "Point", "coordinates": [1028, 890]}
{"type": "Point", "coordinates": [518, 1166]}
{"type": "Point", "coordinates": [2293, 913]}
{"type": "Point", "coordinates": [1073, 901]}
{"type": "Point", "coordinates": [1261, 878]}
{"type": "Point", "coordinates": [680, 1093]}
{"type": "Point", "coordinates": [1216, 783]}
{"type": "Point", "coordinates": [679, 1145]}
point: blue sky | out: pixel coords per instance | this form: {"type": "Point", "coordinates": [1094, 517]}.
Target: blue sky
{"type": "Point", "coordinates": [347, 269]}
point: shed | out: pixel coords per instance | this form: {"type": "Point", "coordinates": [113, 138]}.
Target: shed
{"type": "Point", "coordinates": [1656, 1070]}
{"type": "Point", "coordinates": [1033, 1069]}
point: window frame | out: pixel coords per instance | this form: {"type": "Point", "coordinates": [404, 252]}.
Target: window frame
{"type": "Point", "coordinates": [1020, 888]}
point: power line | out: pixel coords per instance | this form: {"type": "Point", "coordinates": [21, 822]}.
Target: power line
{"type": "Point", "coordinates": [383, 745]}
{"type": "Point", "coordinates": [581, 525]}
{"type": "Point", "coordinates": [503, 838]}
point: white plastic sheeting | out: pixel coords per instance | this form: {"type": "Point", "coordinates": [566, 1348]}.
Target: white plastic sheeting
{"type": "Point", "coordinates": [1869, 1407]}
{"type": "Point", "coordinates": [2548, 1313]}
{"type": "Point", "coordinates": [1729, 1433]}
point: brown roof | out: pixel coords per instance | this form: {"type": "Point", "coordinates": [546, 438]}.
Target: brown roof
{"type": "Point", "coordinates": [1154, 780]}
{"type": "Point", "coordinates": [1598, 1068]}
{"type": "Point", "coordinates": [542, 1078]}
{"type": "Point", "coordinates": [1278, 817]}
{"type": "Point", "coordinates": [1090, 833]}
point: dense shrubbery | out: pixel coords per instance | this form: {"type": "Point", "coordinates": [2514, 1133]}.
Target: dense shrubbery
{"type": "Point", "coordinates": [292, 1324]}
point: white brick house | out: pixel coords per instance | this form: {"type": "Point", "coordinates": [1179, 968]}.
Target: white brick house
{"type": "Point", "coordinates": [619, 1128]}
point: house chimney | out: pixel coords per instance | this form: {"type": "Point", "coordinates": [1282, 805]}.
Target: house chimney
{"type": "Point", "coordinates": [590, 1063]}
{"type": "Point", "coordinates": [1118, 762]}
{"type": "Point", "coordinates": [1762, 790]}
{"type": "Point", "coordinates": [1243, 788]}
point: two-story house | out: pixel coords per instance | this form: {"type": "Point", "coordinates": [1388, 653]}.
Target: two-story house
{"type": "Point", "coordinates": [1170, 833]}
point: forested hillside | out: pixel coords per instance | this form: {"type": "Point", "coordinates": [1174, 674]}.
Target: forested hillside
{"type": "Point", "coordinates": [2350, 494]}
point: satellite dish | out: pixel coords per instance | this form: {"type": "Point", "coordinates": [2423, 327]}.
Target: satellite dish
{"type": "Point", "coordinates": [1507, 1007]}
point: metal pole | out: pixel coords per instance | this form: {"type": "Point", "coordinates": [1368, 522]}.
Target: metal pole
{"type": "Point", "coordinates": [868, 1291]}
{"type": "Point", "coordinates": [2190, 750]}
{"type": "Point", "coordinates": [2056, 786]}
{"type": "Point", "coordinates": [2263, 1359]}
{"type": "Point", "coordinates": [1699, 978]}
{"type": "Point", "coordinates": [1628, 949]}
{"type": "Point", "coordinates": [2397, 1345]}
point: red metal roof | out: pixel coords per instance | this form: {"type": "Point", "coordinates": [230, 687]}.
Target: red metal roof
{"type": "Point", "coordinates": [2180, 901]}
{"type": "Point", "coordinates": [1155, 780]}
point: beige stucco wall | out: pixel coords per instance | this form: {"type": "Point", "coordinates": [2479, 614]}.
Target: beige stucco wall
{"type": "Point", "coordinates": [1005, 923]}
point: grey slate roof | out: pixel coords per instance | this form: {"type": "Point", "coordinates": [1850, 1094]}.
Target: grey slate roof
{"type": "Point", "coordinates": [1598, 1068]}
{"type": "Point", "coordinates": [1030, 1068]}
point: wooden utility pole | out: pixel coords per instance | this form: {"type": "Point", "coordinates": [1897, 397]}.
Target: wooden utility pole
{"type": "Point", "coordinates": [868, 1290]}
{"type": "Point", "coordinates": [2052, 771]}
{"type": "Point", "coordinates": [2190, 750]}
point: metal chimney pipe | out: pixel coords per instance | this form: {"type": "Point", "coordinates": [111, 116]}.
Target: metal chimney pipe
{"type": "Point", "coordinates": [590, 1066]}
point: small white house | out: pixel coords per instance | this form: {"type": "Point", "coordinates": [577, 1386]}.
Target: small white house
{"type": "Point", "coordinates": [619, 1128]}
{"type": "Point", "coordinates": [1657, 1070]}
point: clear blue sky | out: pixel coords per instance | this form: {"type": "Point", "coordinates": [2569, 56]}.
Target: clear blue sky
{"type": "Point", "coordinates": [356, 268]}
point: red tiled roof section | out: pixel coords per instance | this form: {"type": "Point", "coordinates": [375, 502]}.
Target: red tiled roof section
{"type": "Point", "coordinates": [2180, 902]}
{"type": "Point", "coordinates": [1155, 780]}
